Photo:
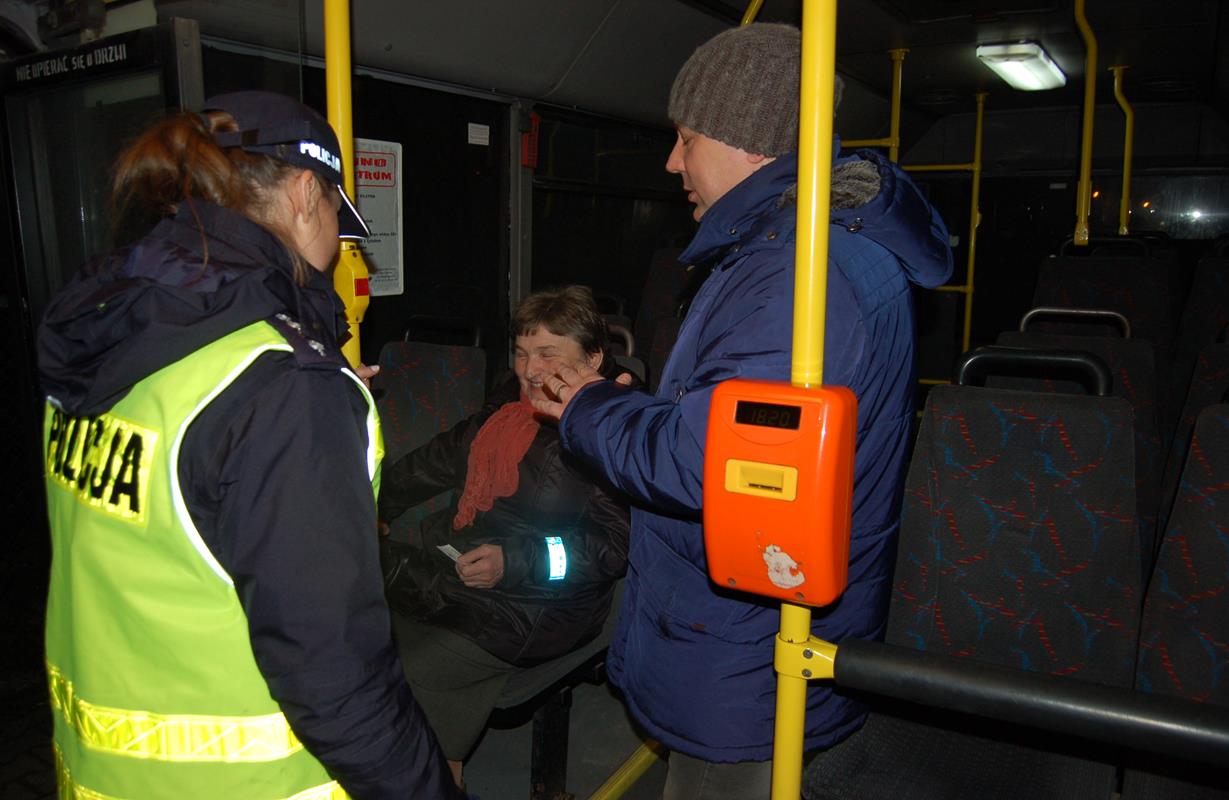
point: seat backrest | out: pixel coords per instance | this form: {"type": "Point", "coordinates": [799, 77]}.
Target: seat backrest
{"type": "Point", "coordinates": [1018, 542]}
{"type": "Point", "coordinates": [1134, 379]}
{"type": "Point", "coordinates": [1184, 633]}
{"type": "Point", "coordinates": [664, 335]}
{"type": "Point", "coordinates": [663, 289]}
{"type": "Point", "coordinates": [1209, 383]}
{"type": "Point", "coordinates": [1184, 641]}
{"type": "Point", "coordinates": [1144, 290]}
{"type": "Point", "coordinates": [1204, 316]}
{"type": "Point", "coordinates": [421, 390]}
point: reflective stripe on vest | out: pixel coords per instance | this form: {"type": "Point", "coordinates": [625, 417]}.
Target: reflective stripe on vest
{"type": "Point", "coordinates": [172, 737]}
{"type": "Point", "coordinates": [68, 790]}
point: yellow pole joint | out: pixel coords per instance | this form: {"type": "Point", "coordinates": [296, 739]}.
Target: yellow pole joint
{"type": "Point", "coordinates": [810, 659]}
{"type": "Point", "coordinates": [1083, 198]}
{"type": "Point", "coordinates": [1128, 151]}
{"type": "Point", "coordinates": [898, 58]}
{"type": "Point", "coordinates": [350, 275]}
{"type": "Point", "coordinates": [753, 10]}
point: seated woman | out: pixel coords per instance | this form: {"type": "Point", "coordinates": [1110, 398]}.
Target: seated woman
{"type": "Point", "coordinates": [541, 543]}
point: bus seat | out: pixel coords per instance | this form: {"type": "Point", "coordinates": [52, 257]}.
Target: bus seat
{"type": "Point", "coordinates": [1134, 379]}
{"type": "Point", "coordinates": [1184, 637]}
{"type": "Point", "coordinates": [1018, 547]}
{"type": "Point", "coordinates": [1147, 291]}
{"type": "Point", "coordinates": [421, 390]}
{"type": "Point", "coordinates": [545, 690]}
{"type": "Point", "coordinates": [665, 332]}
{"type": "Point", "coordinates": [662, 293]}
{"type": "Point", "coordinates": [1204, 316]}
{"type": "Point", "coordinates": [633, 365]}
{"type": "Point", "coordinates": [443, 330]}
{"type": "Point", "coordinates": [1208, 385]}
{"type": "Point", "coordinates": [622, 342]}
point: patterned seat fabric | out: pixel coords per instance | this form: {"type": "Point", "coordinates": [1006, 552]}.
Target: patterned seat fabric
{"type": "Point", "coordinates": [1018, 548]}
{"type": "Point", "coordinates": [421, 390]}
{"type": "Point", "coordinates": [1021, 548]}
{"type": "Point", "coordinates": [1205, 315]}
{"type": "Point", "coordinates": [1144, 290]}
{"type": "Point", "coordinates": [1134, 379]}
{"type": "Point", "coordinates": [1184, 638]}
{"type": "Point", "coordinates": [1208, 385]}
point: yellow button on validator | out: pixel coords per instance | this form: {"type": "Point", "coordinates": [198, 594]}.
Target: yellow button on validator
{"type": "Point", "coordinates": [761, 480]}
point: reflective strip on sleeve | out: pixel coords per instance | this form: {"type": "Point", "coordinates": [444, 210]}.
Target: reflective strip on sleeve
{"type": "Point", "coordinates": [556, 557]}
{"type": "Point", "coordinates": [172, 737]}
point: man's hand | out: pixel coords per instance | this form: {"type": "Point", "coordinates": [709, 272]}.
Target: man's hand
{"type": "Point", "coordinates": [564, 385]}
{"type": "Point", "coordinates": [482, 567]}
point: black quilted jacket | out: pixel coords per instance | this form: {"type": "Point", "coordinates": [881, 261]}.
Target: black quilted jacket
{"type": "Point", "coordinates": [527, 618]}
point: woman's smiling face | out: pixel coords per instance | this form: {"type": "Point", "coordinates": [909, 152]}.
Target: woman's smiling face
{"type": "Point", "coordinates": [540, 353]}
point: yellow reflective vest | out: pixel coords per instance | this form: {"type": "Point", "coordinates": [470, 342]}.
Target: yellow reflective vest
{"type": "Point", "coordinates": [154, 686]}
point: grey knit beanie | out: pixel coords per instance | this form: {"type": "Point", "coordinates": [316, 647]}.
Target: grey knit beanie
{"type": "Point", "coordinates": [741, 88]}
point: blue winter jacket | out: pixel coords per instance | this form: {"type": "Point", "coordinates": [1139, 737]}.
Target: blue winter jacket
{"type": "Point", "coordinates": [694, 661]}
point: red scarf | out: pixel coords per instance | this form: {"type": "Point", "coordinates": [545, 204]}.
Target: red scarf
{"type": "Point", "coordinates": [501, 443]}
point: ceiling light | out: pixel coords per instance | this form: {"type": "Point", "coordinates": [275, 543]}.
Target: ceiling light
{"type": "Point", "coordinates": [1024, 65]}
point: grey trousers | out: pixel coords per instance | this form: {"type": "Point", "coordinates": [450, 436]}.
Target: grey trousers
{"type": "Point", "coordinates": [690, 778]}
{"type": "Point", "coordinates": [454, 680]}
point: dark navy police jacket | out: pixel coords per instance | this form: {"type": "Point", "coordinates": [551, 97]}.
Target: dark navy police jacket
{"type": "Point", "coordinates": [694, 662]}
{"type": "Point", "coordinates": [273, 472]}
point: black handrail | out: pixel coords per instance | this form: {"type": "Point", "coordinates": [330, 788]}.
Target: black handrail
{"type": "Point", "coordinates": [976, 364]}
{"type": "Point", "coordinates": [1078, 314]}
{"type": "Point", "coordinates": [1150, 722]}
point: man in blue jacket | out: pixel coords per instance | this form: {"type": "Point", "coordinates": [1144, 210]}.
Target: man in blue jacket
{"type": "Point", "coordinates": [694, 661]}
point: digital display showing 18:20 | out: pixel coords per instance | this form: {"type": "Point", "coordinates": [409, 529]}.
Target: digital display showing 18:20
{"type": "Point", "coordinates": [768, 415]}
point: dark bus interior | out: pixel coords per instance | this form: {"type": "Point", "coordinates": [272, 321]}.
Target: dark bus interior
{"type": "Point", "coordinates": [534, 137]}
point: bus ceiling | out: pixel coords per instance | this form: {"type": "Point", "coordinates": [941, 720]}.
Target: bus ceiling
{"type": "Point", "coordinates": [617, 57]}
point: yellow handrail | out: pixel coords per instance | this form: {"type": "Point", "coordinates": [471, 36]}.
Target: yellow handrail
{"type": "Point", "coordinates": [1128, 149]}
{"type": "Point", "coordinates": [892, 140]}
{"type": "Point", "coordinates": [967, 167]}
{"type": "Point", "coordinates": [753, 10]}
{"type": "Point", "coordinates": [1083, 196]}
{"type": "Point", "coordinates": [974, 222]}
{"type": "Point", "coordinates": [807, 364]}
{"type": "Point", "coordinates": [350, 275]}
{"type": "Point", "coordinates": [898, 57]}
{"type": "Point", "coordinates": [623, 778]}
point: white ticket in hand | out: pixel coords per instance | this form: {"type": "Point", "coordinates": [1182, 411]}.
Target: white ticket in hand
{"type": "Point", "coordinates": [449, 551]}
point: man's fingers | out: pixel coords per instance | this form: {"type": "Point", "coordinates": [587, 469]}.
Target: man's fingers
{"type": "Point", "coordinates": [624, 379]}
{"type": "Point", "coordinates": [548, 408]}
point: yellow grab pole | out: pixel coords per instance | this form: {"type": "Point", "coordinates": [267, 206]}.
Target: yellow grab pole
{"type": "Point", "coordinates": [807, 366]}
{"type": "Point", "coordinates": [1083, 199]}
{"type": "Point", "coordinates": [898, 58]}
{"type": "Point", "coordinates": [623, 778]}
{"type": "Point", "coordinates": [974, 221]}
{"type": "Point", "coordinates": [753, 10]}
{"type": "Point", "coordinates": [1128, 149]}
{"type": "Point", "coordinates": [814, 178]}
{"type": "Point", "coordinates": [350, 276]}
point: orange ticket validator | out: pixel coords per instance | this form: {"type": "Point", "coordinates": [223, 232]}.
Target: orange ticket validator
{"type": "Point", "coordinates": [778, 489]}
